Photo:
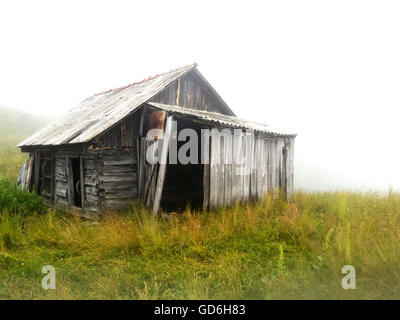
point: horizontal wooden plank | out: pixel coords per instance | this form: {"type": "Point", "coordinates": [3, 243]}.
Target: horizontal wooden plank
{"type": "Point", "coordinates": [117, 203]}
{"type": "Point", "coordinates": [116, 178]}
{"type": "Point", "coordinates": [121, 194]}
{"type": "Point", "coordinates": [119, 162]}
{"type": "Point", "coordinates": [117, 185]}
{"type": "Point", "coordinates": [119, 169]}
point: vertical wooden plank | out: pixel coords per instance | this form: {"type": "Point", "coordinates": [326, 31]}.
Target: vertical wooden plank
{"type": "Point", "coordinates": [22, 175]}
{"type": "Point", "coordinates": [277, 154]}
{"type": "Point", "coordinates": [82, 181]}
{"type": "Point", "coordinates": [221, 173]}
{"type": "Point", "coordinates": [142, 169]}
{"type": "Point", "coordinates": [236, 168]}
{"type": "Point", "coordinates": [228, 148]}
{"type": "Point", "coordinates": [37, 172]}
{"type": "Point", "coordinates": [30, 173]}
{"type": "Point", "coordinates": [247, 165]}
{"type": "Point", "coordinates": [206, 169]}
{"type": "Point", "coordinates": [259, 164]}
{"type": "Point", "coordinates": [266, 146]}
{"type": "Point", "coordinates": [290, 169]}
{"type": "Point", "coordinates": [214, 160]}
{"type": "Point", "coordinates": [253, 174]}
{"type": "Point", "coordinates": [272, 166]}
{"type": "Point", "coordinates": [53, 177]}
{"type": "Point", "coordinates": [163, 165]}
{"type": "Point", "coordinates": [70, 181]}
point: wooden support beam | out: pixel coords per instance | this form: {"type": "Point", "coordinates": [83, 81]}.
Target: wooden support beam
{"type": "Point", "coordinates": [30, 173]}
{"type": "Point", "coordinates": [163, 165]}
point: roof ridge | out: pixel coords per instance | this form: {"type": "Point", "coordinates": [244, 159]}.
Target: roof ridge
{"type": "Point", "coordinates": [146, 79]}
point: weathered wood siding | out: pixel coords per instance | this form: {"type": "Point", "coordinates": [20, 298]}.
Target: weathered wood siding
{"type": "Point", "coordinates": [121, 135]}
{"type": "Point", "coordinates": [249, 167]}
{"type": "Point", "coordinates": [61, 195]}
{"type": "Point", "coordinates": [190, 91]}
{"type": "Point", "coordinates": [118, 183]}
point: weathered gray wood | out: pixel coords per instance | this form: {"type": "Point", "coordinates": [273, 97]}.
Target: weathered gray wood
{"type": "Point", "coordinates": [120, 162]}
{"type": "Point", "coordinates": [62, 192]}
{"type": "Point", "coordinates": [118, 203]}
{"type": "Point", "coordinates": [119, 177]}
{"type": "Point", "coordinates": [116, 185]}
{"type": "Point", "coordinates": [90, 164]}
{"type": "Point", "coordinates": [266, 146]}
{"type": "Point", "coordinates": [138, 163]}
{"type": "Point", "coordinates": [236, 168]}
{"type": "Point", "coordinates": [151, 175]}
{"type": "Point", "coordinates": [82, 182]}
{"type": "Point", "coordinates": [214, 162]}
{"type": "Point", "coordinates": [122, 194]}
{"type": "Point", "coordinates": [253, 174]}
{"type": "Point", "coordinates": [107, 170]}
{"type": "Point", "coordinates": [206, 169]}
{"type": "Point", "coordinates": [29, 173]}
{"type": "Point", "coordinates": [290, 169]}
{"type": "Point", "coordinates": [221, 174]}
{"type": "Point", "coordinates": [227, 163]}
{"type": "Point", "coordinates": [53, 177]}
{"type": "Point", "coordinates": [21, 181]}
{"type": "Point", "coordinates": [142, 168]}
{"type": "Point", "coordinates": [37, 172]}
{"type": "Point", "coordinates": [246, 166]}
{"type": "Point", "coordinates": [163, 164]}
{"type": "Point", "coordinates": [70, 179]}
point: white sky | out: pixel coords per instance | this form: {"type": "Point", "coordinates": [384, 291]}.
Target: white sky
{"type": "Point", "coordinates": [328, 69]}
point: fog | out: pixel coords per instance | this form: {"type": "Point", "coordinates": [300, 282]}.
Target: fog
{"type": "Point", "coordinates": [329, 70]}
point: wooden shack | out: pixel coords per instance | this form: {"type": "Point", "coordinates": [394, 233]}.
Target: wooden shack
{"type": "Point", "coordinates": [95, 157]}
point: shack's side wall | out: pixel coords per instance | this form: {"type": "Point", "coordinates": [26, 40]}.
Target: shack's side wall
{"type": "Point", "coordinates": [190, 91]}
{"type": "Point", "coordinates": [268, 169]}
{"type": "Point", "coordinates": [110, 178]}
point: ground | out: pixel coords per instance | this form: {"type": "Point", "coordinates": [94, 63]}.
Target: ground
{"type": "Point", "coordinates": [265, 250]}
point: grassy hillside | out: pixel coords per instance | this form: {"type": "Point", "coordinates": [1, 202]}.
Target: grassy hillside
{"type": "Point", "coordinates": [15, 125]}
{"type": "Point", "coordinates": [262, 251]}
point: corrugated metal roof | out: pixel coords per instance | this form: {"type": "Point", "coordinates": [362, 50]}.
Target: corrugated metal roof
{"type": "Point", "coordinates": [223, 119]}
{"type": "Point", "coordinates": [99, 112]}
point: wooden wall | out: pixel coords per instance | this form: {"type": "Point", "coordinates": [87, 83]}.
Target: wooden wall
{"type": "Point", "coordinates": [190, 91]}
{"type": "Point", "coordinates": [118, 184]}
{"type": "Point", "coordinates": [268, 169]}
{"type": "Point", "coordinates": [110, 178]}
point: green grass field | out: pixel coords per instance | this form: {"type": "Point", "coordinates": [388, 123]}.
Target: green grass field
{"type": "Point", "coordinates": [261, 251]}
{"type": "Point", "coordinates": [264, 250]}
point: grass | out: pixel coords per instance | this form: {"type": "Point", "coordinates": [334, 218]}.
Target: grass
{"type": "Point", "coordinates": [265, 250]}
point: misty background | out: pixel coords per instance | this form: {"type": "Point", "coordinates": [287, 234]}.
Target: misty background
{"type": "Point", "coordinates": [329, 70]}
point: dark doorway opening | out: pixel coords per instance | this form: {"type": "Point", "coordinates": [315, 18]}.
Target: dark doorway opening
{"type": "Point", "coordinates": [183, 184]}
{"type": "Point", "coordinates": [76, 173]}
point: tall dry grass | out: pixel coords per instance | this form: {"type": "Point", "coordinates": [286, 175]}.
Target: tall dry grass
{"type": "Point", "coordinates": [264, 250]}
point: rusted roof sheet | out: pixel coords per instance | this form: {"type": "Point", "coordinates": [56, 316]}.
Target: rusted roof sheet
{"type": "Point", "coordinates": [222, 119]}
{"type": "Point", "coordinates": [101, 111]}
